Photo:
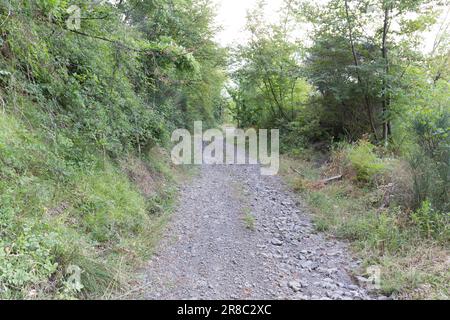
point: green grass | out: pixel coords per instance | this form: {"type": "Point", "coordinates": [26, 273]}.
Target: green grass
{"type": "Point", "coordinates": [412, 266]}
{"type": "Point", "coordinates": [55, 214]}
{"type": "Point", "coordinates": [249, 219]}
{"type": "Point", "coordinates": [242, 195]}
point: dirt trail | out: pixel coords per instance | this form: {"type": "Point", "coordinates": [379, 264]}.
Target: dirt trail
{"type": "Point", "coordinates": [239, 235]}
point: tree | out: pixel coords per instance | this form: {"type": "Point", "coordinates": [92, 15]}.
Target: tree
{"type": "Point", "coordinates": [268, 73]}
{"type": "Point", "coordinates": [372, 43]}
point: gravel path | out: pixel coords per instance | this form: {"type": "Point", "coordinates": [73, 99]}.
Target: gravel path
{"type": "Point", "coordinates": [239, 235]}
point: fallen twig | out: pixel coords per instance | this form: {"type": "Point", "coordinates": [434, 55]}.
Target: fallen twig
{"type": "Point", "coordinates": [328, 180]}
{"type": "Point", "coordinates": [298, 172]}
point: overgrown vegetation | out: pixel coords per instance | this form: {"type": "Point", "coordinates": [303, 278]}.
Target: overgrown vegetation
{"type": "Point", "coordinates": [409, 246]}
{"type": "Point", "coordinates": [85, 114]}
{"type": "Point", "coordinates": [361, 98]}
{"type": "Point", "coordinates": [84, 183]}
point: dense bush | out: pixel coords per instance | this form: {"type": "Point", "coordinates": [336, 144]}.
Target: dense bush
{"type": "Point", "coordinates": [395, 184]}
{"type": "Point", "coordinates": [365, 162]}
{"type": "Point", "coordinates": [431, 158]}
{"type": "Point", "coordinates": [432, 223]}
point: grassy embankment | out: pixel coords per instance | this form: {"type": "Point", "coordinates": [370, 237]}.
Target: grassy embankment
{"type": "Point", "coordinates": [365, 208]}
{"type": "Point", "coordinates": [103, 219]}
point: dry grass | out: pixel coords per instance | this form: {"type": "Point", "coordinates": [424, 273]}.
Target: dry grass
{"type": "Point", "coordinates": [139, 173]}
{"type": "Point", "coordinates": [381, 234]}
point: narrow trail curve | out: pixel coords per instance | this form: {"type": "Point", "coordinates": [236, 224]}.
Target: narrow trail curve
{"type": "Point", "coordinates": [210, 253]}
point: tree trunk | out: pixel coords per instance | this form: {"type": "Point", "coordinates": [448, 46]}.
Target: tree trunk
{"type": "Point", "coordinates": [386, 99]}
{"type": "Point", "coordinates": [355, 60]}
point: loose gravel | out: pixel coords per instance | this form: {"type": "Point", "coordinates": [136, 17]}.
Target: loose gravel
{"type": "Point", "coordinates": [239, 235]}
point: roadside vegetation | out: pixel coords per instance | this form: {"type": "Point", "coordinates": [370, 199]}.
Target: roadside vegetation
{"type": "Point", "coordinates": [363, 110]}
{"type": "Point", "coordinates": [371, 211]}
{"type": "Point", "coordinates": [86, 184]}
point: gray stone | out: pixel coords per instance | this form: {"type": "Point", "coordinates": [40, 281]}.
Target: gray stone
{"type": "Point", "coordinates": [277, 242]}
{"type": "Point", "coordinates": [295, 285]}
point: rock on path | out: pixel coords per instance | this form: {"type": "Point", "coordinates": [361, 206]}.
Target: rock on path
{"type": "Point", "coordinates": [210, 251]}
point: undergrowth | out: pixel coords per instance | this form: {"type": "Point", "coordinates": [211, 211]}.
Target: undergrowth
{"type": "Point", "coordinates": [410, 246]}
{"type": "Point", "coordinates": [54, 217]}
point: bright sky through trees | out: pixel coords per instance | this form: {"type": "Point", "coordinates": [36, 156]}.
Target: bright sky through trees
{"type": "Point", "coordinates": [231, 16]}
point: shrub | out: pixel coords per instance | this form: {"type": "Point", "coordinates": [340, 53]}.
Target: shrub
{"type": "Point", "coordinates": [364, 160]}
{"type": "Point", "coordinates": [430, 159]}
{"type": "Point", "coordinates": [26, 259]}
{"type": "Point", "coordinates": [356, 161]}
{"type": "Point", "coordinates": [431, 222]}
